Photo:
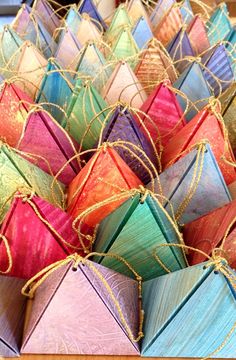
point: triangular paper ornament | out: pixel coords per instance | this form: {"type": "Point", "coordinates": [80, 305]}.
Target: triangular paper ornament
{"type": "Point", "coordinates": [229, 119]}
{"type": "Point", "coordinates": [68, 49]}
{"type": "Point", "coordinates": [120, 19]}
{"type": "Point", "coordinates": [73, 19]}
{"type": "Point", "coordinates": [230, 45]}
{"type": "Point", "coordinates": [16, 173]}
{"type": "Point", "coordinates": [176, 185]}
{"type": "Point", "coordinates": [218, 26]}
{"type": "Point", "coordinates": [179, 48]}
{"type": "Point", "coordinates": [31, 67]}
{"type": "Point", "coordinates": [169, 25]}
{"type": "Point", "coordinates": [186, 11]}
{"type": "Point", "coordinates": [106, 9]}
{"type": "Point", "coordinates": [10, 43]}
{"type": "Point", "coordinates": [88, 7]}
{"type": "Point", "coordinates": [218, 72]}
{"type": "Point", "coordinates": [135, 229]}
{"type": "Point", "coordinates": [30, 27]}
{"type": "Point", "coordinates": [56, 89]}
{"type": "Point", "coordinates": [142, 33]}
{"type": "Point", "coordinates": [14, 106]}
{"type": "Point", "coordinates": [46, 236]}
{"type": "Point", "coordinates": [164, 115]}
{"type": "Point", "coordinates": [204, 125]}
{"type": "Point", "coordinates": [198, 94]}
{"type": "Point", "coordinates": [207, 233]}
{"type": "Point", "coordinates": [161, 9]}
{"type": "Point", "coordinates": [92, 63]}
{"type": "Point", "coordinates": [125, 47]}
{"type": "Point", "coordinates": [137, 10]}
{"type": "Point", "coordinates": [189, 313]}
{"type": "Point", "coordinates": [52, 146]}
{"type": "Point", "coordinates": [97, 182]}
{"type": "Point", "coordinates": [123, 127]}
{"type": "Point", "coordinates": [155, 65]}
{"type": "Point", "coordinates": [44, 11]}
{"type": "Point", "coordinates": [124, 86]}
{"type": "Point", "coordinates": [85, 115]}
{"type": "Point", "coordinates": [88, 31]}
{"type": "Point", "coordinates": [110, 300]}
{"type": "Point", "coordinates": [12, 310]}
{"type": "Point", "coordinates": [198, 35]}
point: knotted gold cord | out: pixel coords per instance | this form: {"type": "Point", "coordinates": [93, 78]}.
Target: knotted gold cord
{"type": "Point", "coordinates": [8, 250]}
{"type": "Point", "coordinates": [32, 285]}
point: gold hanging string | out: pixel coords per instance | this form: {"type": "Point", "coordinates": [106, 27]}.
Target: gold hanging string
{"type": "Point", "coordinates": [75, 260]}
{"type": "Point", "coordinates": [229, 228]}
{"type": "Point", "coordinates": [9, 256]}
{"type": "Point", "coordinates": [197, 173]}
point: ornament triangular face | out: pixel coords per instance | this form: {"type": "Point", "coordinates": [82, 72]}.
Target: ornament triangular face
{"type": "Point", "coordinates": [230, 46]}
{"type": "Point", "coordinates": [198, 35]}
{"type": "Point", "coordinates": [58, 297]}
{"type": "Point", "coordinates": [31, 67]}
{"type": "Point", "coordinates": [85, 115]}
{"type": "Point", "coordinates": [120, 19]}
{"type": "Point", "coordinates": [47, 15]}
{"type": "Point", "coordinates": [12, 310]}
{"type": "Point", "coordinates": [176, 183]}
{"type": "Point", "coordinates": [123, 127]}
{"type": "Point", "coordinates": [87, 30]}
{"type": "Point", "coordinates": [142, 33]}
{"type": "Point", "coordinates": [68, 50]}
{"type": "Point", "coordinates": [124, 86]}
{"type": "Point", "coordinates": [53, 148]}
{"type": "Point", "coordinates": [97, 182]}
{"type": "Point", "coordinates": [169, 25]}
{"type": "Point", "coordinates": [136, 10]}
{"type": "Point", "coordinates": [73, 19]}
{"type": "Point", "coordinates": [160, 10]}
{"type": "Point", "coordinates": [14, 106]}
{"type": "Point", "coordinates": [218, 26]}
{"type": "Point", "coordinates": [197, 94]}
{"type": "Point", "coordinates": [186, 12]}
{"type": "Point", "coordinates": [10, 43]}
{"type": "Point", "coordinates": [219, 73]}
{"type": "Point", "coordinates": [24, 174]}
{"type": "Point", "coordinates": [125, 48]}
{"type": "Point", "coordinates": [179, 48]}
{"type": "Point", "coordinates": [124, 232]}
{"type": "Point", "coordinates": [155, 65]}
{"type": "Point", "coordinates": [106, 9]}
{"type": "Point", "coordinates": [52, 228]}
{"type": "Point", "coordinates": [56, 89]}
{"type": "Point", "coordinates": [204, 125]}
{"type": "Point", "coordinates": [165, 116]}
{"type": "Point", "coordinates": [88, 7]}
{"type": "Point", "coordinates": [209, 300]}
{"type": "Point", "coordinates": [207, 233]}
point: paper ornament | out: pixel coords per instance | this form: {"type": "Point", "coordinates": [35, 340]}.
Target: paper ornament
{"type": "Point", "coordinates": [218, 26]}
{"type": "Point", "coordinates": [87, 30]}
{"type": "Point", "coordinates": [68, 50]}
{"type": "Point", "coordinates": [88, 7]}
{"type": "Point", "coordinates": [198, 35]}
{"type": "Point", "coordinates": [142, 33]}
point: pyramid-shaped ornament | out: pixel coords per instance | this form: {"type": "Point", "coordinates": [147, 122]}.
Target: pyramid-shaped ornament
{"type": "Point", "coordinates": [96, 183]}
{"type": "Point", "coordinates": [92, 284]}
{"type": "Point", "coordinates": [230, 46]}
{"type": "Point", "coordinates": [137, 10]}
{"type": "Point", "coordinates": [31, 67]}
{"type": "Point", "coordinates": [186, 11]}
{"type": "Point", "coordinates": [218, 26]}
{"type": "Point", "coordinates": [123, 127]}
{"type": "Point", "coordinates": [12, 310]}
{"type": "Point", "coordinates": [218, 72]}
{"type": "Point", "coordinates": [142, 33]}
{"type": "Point", "coordinates": [160, 10]}
{"type": "Point", "coordinates": [207, 233]}
{"type": "Point", "coordinates": [155, 65]}
{"type": "Point", "coordinates": [85, 115]}
{"type": "Point", "coordinates": [197, 297]}
{"type": "Point", "coordinates": [179, 48]}
{"type": "Point", "coordinates": [44, 238]}
{"type": "Point", "coordinates": [124, 86]}
{"type": "Point", "coordinates": [120, 19]}
{"type": "Point", "coordinates": [44, 10]}
{"type": "Point", "coordinates": [176, 184]}
{"type": "Point", "coordinates": [52, 148]}
{"type": "Point", "coordinates": [24, 174]}
{"type": "Point", "coordinates": [68, 50]}
{"type": "Point", "coordinates": [198, 94]}
{"type": "Point", "coordinates": [87, 30]}
{"type": "Point", "coordinates": [205, 125]}
{"type": "Point", "coordinates": [198, 35]}
{"type": "Point", "coordinates": [14, 106]}
{"type": "Point", "coordinates": [56, 89]}
{"type": "Point", "coordinates": [88, 7]}
{"type": "Point", "coordinates": [137, 225]}
{"type": "Point", "coordinates": [164, 114]}
{"type": "Point", "coordinates": [73, 19]}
